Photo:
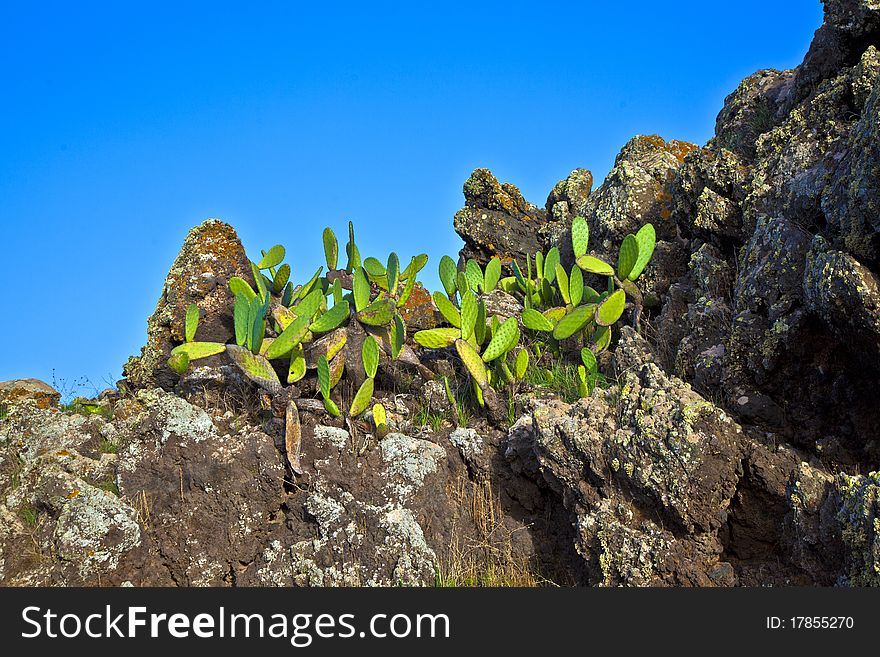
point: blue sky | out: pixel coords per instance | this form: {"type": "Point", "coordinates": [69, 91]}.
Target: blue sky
{"type": "Point", "coordinates": [125, 124]}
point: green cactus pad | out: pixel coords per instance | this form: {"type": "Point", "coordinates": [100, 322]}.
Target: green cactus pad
{"type": "Point", "coordinates": [461, 283]}
{"type": "Point", "coordinates": [554, 314]}
{"type": "Point", "coordinates": [576, 286]}
{"type": "Point", "coordinates": [272, 258]}
{"type": "Point", "coordinates": [449, 396]}
{"type": "Point", "coordinates": [260, 280]}
{"type": "Point", "coordinates": [240, 316]}
{"type": "Point", "coordinates": [583, 386]}
{"type": "Point", "coordinates": [327, 345]}
{"type": "Point", "coordinates": [539, 265]}
{"type": "Point", "coordinates": [522, 364]}
{"type": "Point", "coordinates": [590, 295]}
{"type": "Point", "coordinates": [374, 268]}
{"type": "Point", "coordinates": [380, 420]}
{"type": "Point", "coordinates": [255, 367]}
{"type": "Point", "coordinates": [392, 272]}
{"type": "Point", "coordinates": [646, 238]}
{"type": "Point", "coordinates": [447, 309]}
{"type": "Point", "coordinates": [508, 284]}
{"type": "Point", "coordinates": [310, 305]}
{"type": "Point", "coordinates": [437, 338]}
{"type": "Point", "coordinates": [589, 359]}
{"type": "Point", "coordinates": [595, 266]}
{"type": "Point", "coordinates": [504, 340]}
{"type": "Point", "coordinates": [240, 286]}
{"type": "Point", "coordinates": [492, 275]}
{"type": "Point", "coordinates": [550, 263]}
{"type": "Point", "coordinates": [474, 274]}
{"type": "Point", "coordinates": [331, 407]}
{"type": "Point", "coordinates": [257, 319]}
{"type": "Point", "coordinates": [332, 318]}
{"type": "Point", "coordinates": [535, 321]}
{"type": "Point", "coordinates": [362, 398]}
{"type": "Point", "coordinates": [397, 336]}
{"type": "Point", "coordinates": [478, 391]}
{"type": "Point", "coordinates": [480, 325]}
{"type": "Point", "coordinates": [626, 259]}
{"type": "Point", "coordinates": [468, 314]}
{"type": "Point", "coordinates": [282, 276]}
{"type": "Point", "coordinates": [414, 267]}
{"type": "Point", "coordinates": [287, 294]}
{"type": "Point", "coordinates": [331, 248]}
{"type": "Point", "coordinates": [324, 376]}
{"type": "Point", "coordinates": [472, 362]}
{"type": "Point", "coordinates": [309, 287]}
{"type": "Point", "coordinates": [179, 362]}
{"type": "Point", "coordinates": [610, 310]}
{"type": "Point", "coordinates": [407, 291]}
{"type": "Point", "coordinates": [360, 289]}
{"type": "Point", "coordinates": [297, 369]}
{"type": "Point", "coordinates": [336, 291]}
{"type": "Point", "coordinates": [284, 316]}
{"type": "Point", "coordinates": [192, 322]}
{"type": "Point", "coordinates": [520, 278]}
{"type": "Point", "coordinates": [289, 338]}
{"type": "Point", "coordinates": [573, 322]}
{"type": "Point", "coordinates": [370, 356]}
{"type": "Point", "coordinates": [351, 250]}
{"type": "Point", "coordinates": [448, 272]}
{"type": "Point", "coordinates": [580, 236]}
{"type": "Point", "coordinates": [602, 338]}
{"type": "Point", "coordinates": [378, 313]}
{"type": "Point", "coordinates": [563, 284]}
{"type": "Point", "coordinates": [337, 368]}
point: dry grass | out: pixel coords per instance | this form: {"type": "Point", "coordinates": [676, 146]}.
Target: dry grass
{"type": "Point", "coordinates": [143, 509]}
{"type": "Point", "coordinates": [487, 560]}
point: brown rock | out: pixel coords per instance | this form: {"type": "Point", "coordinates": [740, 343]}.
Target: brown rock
{"type": "Point", "coordinates": [17, 390]}
{"type": "Point", "coordinates": [210, 256]}
{"type": "Point", "coordinates": [497, 220]}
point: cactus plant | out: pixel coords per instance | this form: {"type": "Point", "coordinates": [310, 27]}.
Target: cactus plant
{"type": "Point", "coordinates": [331, 248]}
{"type": "Point", "coordinates": [380, 420]}
{"type": "Point", "coordinates": [192, 322]}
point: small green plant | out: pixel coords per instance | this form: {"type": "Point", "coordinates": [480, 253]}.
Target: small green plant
{"type": "Point", "coordinates": [107, 446]}
{"type": "Point", "coordinates": [108, 485]}
{"type": "Point", "coordinates": [29, 515]}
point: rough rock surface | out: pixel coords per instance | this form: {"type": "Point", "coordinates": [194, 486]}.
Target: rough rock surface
{"type": "Point", "coordinates": [497, 220]}
{"type": "Point", "coordinates": [665, 488]}
{"type": "Point", "coordinates": [736, 445]}
{"type": "Point", "coordinates": [168, 493]}
{"type": "Point", "coordinates": [210, 256]}
{"type": "Point", "coordinates": [17, 390]}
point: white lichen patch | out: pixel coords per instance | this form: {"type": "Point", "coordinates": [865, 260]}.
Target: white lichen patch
{"type": "Point", "coordinates": [468, 442]}
{"type": "Point", "coordinates": [333, 435]}
{"type": "Point", "coordinates": [95, 529]}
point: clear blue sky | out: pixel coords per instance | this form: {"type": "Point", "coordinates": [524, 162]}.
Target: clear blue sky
{"type": "Point", "coordinates": [125, 124]}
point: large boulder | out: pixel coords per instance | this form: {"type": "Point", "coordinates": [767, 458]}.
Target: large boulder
{"type": "Point", "coordinates": [210, 256]}
{"type": "Point", "coordinates": [18, 390]}
{"type": "Point", "coordinates": [497, 221]}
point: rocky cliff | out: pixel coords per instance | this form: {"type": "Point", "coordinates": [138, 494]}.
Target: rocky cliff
{"type": "Point", "coordinates": [737, 446]}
